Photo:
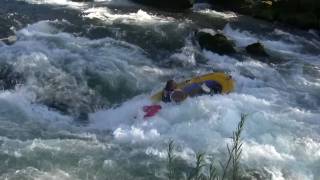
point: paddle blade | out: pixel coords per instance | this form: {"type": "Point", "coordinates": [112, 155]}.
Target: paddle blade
{"type": "Point", "coordinates": [151, 110]}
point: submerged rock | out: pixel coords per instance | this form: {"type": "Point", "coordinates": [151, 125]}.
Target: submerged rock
{"type": "Point", "coordinates": [256, 49]}
{"type": "Point", "coordinates": [217, 43]}
{"type": "Point", "coordinates": [166, 4]}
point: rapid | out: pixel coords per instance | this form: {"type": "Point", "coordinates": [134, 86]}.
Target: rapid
{"type": "Point", "coordinates": [74, 84]}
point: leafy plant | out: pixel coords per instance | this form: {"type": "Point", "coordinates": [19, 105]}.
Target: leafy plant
{"type": "Point", "coordinates": [170, 165]}
{"type": "Point", "coordinates": [196, 174]}
{"type": "Point", "coordinates": [235, 151]}
{"type": "Point", "coordinates": [230, 170]}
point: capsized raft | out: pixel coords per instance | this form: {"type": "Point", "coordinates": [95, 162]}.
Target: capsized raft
{"type": "Point", "coordinates": [224, 79]}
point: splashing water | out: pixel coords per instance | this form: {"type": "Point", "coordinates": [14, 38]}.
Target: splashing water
{"type": "Point", "coordinates": [74, 109]}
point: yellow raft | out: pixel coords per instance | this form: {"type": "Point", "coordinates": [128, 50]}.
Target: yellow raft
{"type": "Point", "coordinates": [224, 79]}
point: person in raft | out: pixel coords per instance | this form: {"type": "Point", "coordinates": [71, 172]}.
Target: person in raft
{"type": "Point", "coordinates": [173, 94]}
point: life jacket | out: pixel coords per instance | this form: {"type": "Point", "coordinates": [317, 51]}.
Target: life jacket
{"type": "Point", "coordinates": [166, 96]}
{"type": "Point", "coordinates": [215, 86]}
{"type": "Point", "coordinates": [196, 89]}
{"type": "Point", "coordinates": [176, 95]}
{"type": "Point", "coordinates": [192, 89]}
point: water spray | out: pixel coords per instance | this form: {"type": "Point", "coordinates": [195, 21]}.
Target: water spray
{"type": "Point", "coordinates": [10, 39]}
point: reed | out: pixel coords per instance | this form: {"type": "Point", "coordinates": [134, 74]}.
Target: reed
{"type": "Point", "coordinates": [208, 171]}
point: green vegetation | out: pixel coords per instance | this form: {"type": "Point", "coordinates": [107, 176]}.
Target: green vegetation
{"type": "Point", "coordinates": [170, 165]}
{"type": "Point", "coordinates": [209, 171]}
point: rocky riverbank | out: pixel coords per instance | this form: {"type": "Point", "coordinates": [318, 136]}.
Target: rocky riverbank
{"type": "Point", "coordinates": [302, 14]}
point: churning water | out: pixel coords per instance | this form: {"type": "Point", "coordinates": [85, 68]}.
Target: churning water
{"type": "Point", "coordinates": [76, 80]}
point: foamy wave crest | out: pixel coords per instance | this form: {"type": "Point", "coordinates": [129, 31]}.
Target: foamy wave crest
{"type": "Point", "coordinates": [81, 5]}
{"type": "Point", "coordinates": [67, 3]}
{"type": "Point", "coordinates": [204, 123]}
{"type": "Point", "coordinates": [63, 70]}
{"type": "Point", "coordinates": [289, 46]}
{"type": "Point", "coordinates": [217, 14]}
{"type": "Point", "coordinates": [141, 17]}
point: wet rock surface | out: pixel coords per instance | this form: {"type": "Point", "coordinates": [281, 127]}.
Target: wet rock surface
{"type": "Point", "coordinates": [217, 43]}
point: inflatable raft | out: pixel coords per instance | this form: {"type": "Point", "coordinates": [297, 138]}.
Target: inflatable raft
{"type": "Point", "coordinates": [225, 80]}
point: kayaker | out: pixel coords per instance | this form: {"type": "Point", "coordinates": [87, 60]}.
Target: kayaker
{"type": "Point", "coordinates": [171, 93]}
{"type": "Point", "coordinates": [169, 88]}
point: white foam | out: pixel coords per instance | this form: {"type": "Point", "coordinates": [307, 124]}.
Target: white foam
{"type": "Point", "coordinates": [67, 3]}
{"type": "Point", "coordinates": [292, 48]}
{"type": "Point", "coordinates": [217, 14]}
{"type": "Point", "coordinates": [205, 122]}
{"type": "Point", "coordinates": [135, 134]}
{"type": "Point", "coordinates": [117, 2]}
{"type": "Point", "coordinates": [241, 38]}
{"type": "Point", "coordinates": [108, 163]}
{"type": "Point", "coordinates": [156, 152]}
{"type": "Point", "coordinates": [187, 55]}
{"type": "Point", "coordinates": [244, 38]}
{"type": "Point", "coordinates": [278, 137]}
{"type": "Point", "coordinates": [51, 61]}
{"type": "Point", "coordinates": [220, 61]}
{"type": "Point", "coordinates": [21, 101]}
{"type": "Point", "coordinates": [264, 152]}
{"type": "Point", "coordinates": [57, 148]}
{"type": "Point", "coordinates": [40, 28]}
{"type": "Point", "coordinates": [207, 30]}
{"type": "Point", "coordinates": [140, 17]}
{"type": "Point", "coordinates": [113, 118]}
{"type": "Point", "coordinates": [36, 174]}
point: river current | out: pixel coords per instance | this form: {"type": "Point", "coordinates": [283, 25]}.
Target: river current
{"type": "Point", "coordinates": [75, 81]}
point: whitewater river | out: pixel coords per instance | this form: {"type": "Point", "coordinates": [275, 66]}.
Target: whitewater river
{"type": "Point", "coordinates": [74, 84]}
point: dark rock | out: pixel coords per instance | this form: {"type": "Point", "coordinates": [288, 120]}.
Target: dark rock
{"type": "Point", "coordinates": [267, 14]}
{"type": "Point", "coordinates": [302, 20]}
{"type": "Point", "coordinates": [233, 4]}
{"type": "Point", "coordinates": [304, 14]}
{"type": "Point", "coordinates": [264, 10]}
{"type": "Point", "coordinates": [256, 49]}
{"type": "Point", "coordinates": [217, 43]}
{"type": "Point", "coordinates": [166, 4]}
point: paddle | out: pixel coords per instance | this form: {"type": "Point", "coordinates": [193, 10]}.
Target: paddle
{"type": "Point", "coordinates": [151, 110]}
